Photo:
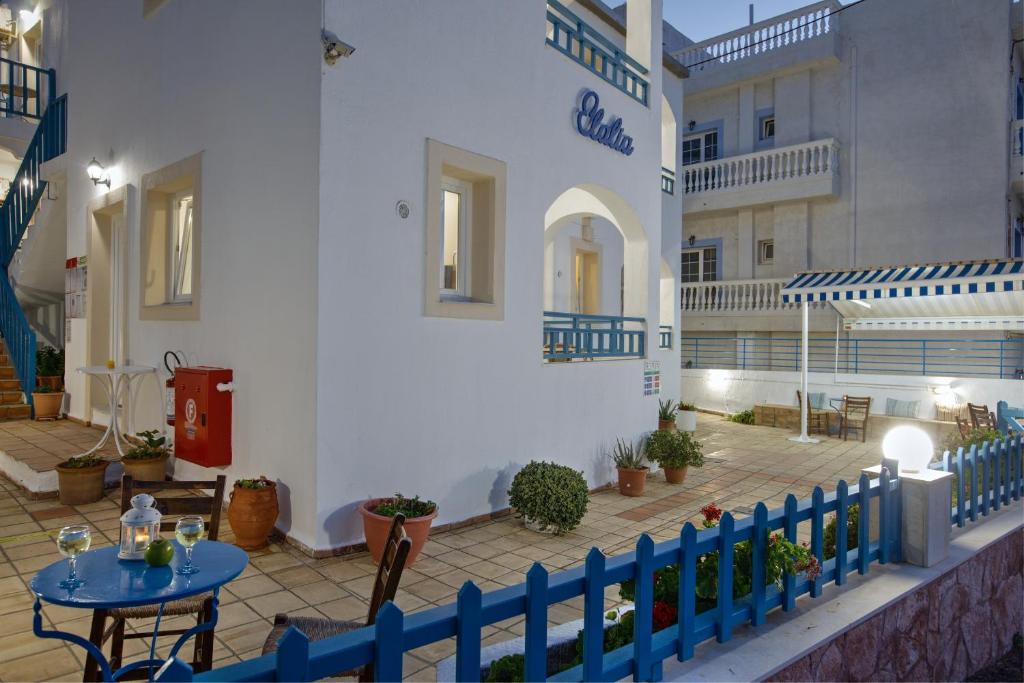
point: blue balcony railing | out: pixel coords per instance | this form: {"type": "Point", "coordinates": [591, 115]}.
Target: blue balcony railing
{"type": "Point", "coordinates": [394, 633]}
{"type": "Point", "coordinates": [992, 358]}
{"type": "Point", "coordinates": [664, 336]}
{"type": "Point", "coordinates": [25, 90]}
{"type": "Point", "coordinates": [581, 43]}
{"type": "Point", "coordinates": [668, 181]}
{"type": "Point", "coordinates": [578, 336]}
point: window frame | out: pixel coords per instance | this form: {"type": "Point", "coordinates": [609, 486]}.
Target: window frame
{"type": "Point", "coordinates": [702, 137]}
{"type": "Point", "coordinates": [464, 251]}
{"type": "Point", "coordinates": [762, 247]}
{"type": "Point", "coordinates": [702, 262]}
{"type": "Point", "coordinates": [173, 246]}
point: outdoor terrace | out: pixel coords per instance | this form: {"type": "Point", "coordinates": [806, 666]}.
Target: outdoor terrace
{"type": "Point", "coordinates": [745, 464]}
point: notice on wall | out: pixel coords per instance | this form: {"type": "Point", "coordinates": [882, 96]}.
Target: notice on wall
{"type": "Point", "coordinates": [652, 378]}
{"type": "Point", "coordinates": [75, 273]}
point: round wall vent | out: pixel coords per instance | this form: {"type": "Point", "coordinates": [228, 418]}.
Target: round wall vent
{"type": "Point", "coordinates": [403, 209]}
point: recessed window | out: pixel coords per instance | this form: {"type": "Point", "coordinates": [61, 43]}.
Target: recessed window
{"type": "Point", "coordinates": [766, 251]}
{"type": "Point", "coordinates": [465, 234]}
{"type": "Point", "coordinates": [171, 222]}
{"type": "Point", "coordinates": [768, 128]}
{"type": "Point", "coordinates": [700, 147]}
{"type": "Point", "coordinates": [699, 265]}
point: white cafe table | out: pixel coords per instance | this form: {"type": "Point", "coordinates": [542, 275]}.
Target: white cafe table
{"type": "Point", "coordinates": [114, 381]}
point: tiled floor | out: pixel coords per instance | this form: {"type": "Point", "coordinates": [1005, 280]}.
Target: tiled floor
{"type": "Point", "coordinates": [745, 464]}
{"type": "Point", "coordinates": [42, 445]}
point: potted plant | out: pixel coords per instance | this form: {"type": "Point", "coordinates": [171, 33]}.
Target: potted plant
{"type": "Point", "coordinates": [686, 417]}
{"type": "Point", "coordinates": [675, 452]}
{"type": "Point", "coordinates": [550, 498]}
{"type": "Point", "coordinates": [252, 512]}
{"type": "Point", "coordinates": [629, 460]}
{"type": "Point", "coordinates": [146, 460]}
{"type": "Point", "coordinates": [50, 368]}
{"type": "Point", "coordinates": [80, 479]}
{"type": "Point", "coordinates": [377, 514]}
{"type": "Point", "coordinates": [666, 415]}
{"type": "Point", "coordinates": [47, 402]}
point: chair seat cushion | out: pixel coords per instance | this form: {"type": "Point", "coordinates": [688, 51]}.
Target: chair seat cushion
{"type": "Point", "coordinates": [897, 408]}
{"type": "Point", "coordinates": [174, 608]}
{"type": "Point", "coordinates": [313, 627]}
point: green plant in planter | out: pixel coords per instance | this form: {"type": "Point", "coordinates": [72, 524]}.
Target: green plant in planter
{"type": "Point", "coordinates": [976, 437]}
{"type": "Point", "coordinates": [49, 362]}
{"type": "Point", "coordinates": [410, 507]}
{"type": "Point", "coordinates": [744, 417]}
{"type": "Point", "coordinates": [551, 495]}
{"type": "Point", "coordinates": [508, 669]}
{"type": "Point", "coordinates": [686, 407]}
{"type": "Point", "coordinates": [43, 389]}
{"type": "Point", "coordinates": [255, 484]}
{"type": "Point", "coordinates": [628, 456]}
{"type": "Point", "coordinates": [82, 461]}
{"type": "Point", "coordinates": [831, 531]}
{"type": "Point", "coordinates": [148, 445]}
{"type": "Point", "coordinates": [674, 449]}
{"type": "Point", "coordinates": [666, 410]}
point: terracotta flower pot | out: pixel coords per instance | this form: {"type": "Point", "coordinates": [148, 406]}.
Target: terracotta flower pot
{"type": "Point", "coordinates": [666, 425]}
{"type": "Point", "coordinates": [251, 514]}
{"type": "Point", "coordinates": [675, 475]}
{"type": "Point", "coordinates": [375, 527]}
{"type": "Point", "coordinates": [631, 482]}
{"type": "Point", "coordinates": [150, 469]}
{"type": "Point", "coordinates": [80, 485]}
{"type": "Point", "coordinates": [46, 406]}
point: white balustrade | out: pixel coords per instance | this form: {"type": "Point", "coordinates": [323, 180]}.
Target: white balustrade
{"type": "Point", "coordinates": [735, 296]}
{"type": "Point", "coordinates": [809, 159]}
{"type": "Point", "coordinates": [776, 33]}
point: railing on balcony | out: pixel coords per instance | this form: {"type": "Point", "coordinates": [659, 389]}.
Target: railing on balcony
{"type": "Point", "coordinates": [799, 26]}
{"type": "Point", "coordinates": [25, 90]}
{"type": "Point", "coordinates": [668, 181]}
{"type": "Point", "coordinates": [580, 42]}
{"type": "Point", "coordinates": [577, 336]}
{"type": "Point", "coordinates": [736, 296]}
{"type": "Point", "coordinates": [987, 358]}
{"type": "Point", "coordinates": [664, 336]}
{"type": "Point", "coordinates": [1017, 138]}
{"type": "Point", "coordinates": [778, 165]}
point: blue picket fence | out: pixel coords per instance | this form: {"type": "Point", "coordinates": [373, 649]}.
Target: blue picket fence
{"type": "Point", "coordinates": [579, 336]}
{"type": "Point", "coordinates": [394, 633]}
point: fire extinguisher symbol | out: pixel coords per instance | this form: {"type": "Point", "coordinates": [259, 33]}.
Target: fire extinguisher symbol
{"type": "Point", "coordinates": [190, 418]}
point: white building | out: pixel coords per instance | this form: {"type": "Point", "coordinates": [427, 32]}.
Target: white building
{"type": "Point", "coordinates": [843, 137]}
{"type": "Point", "coordinates": [374, 241]}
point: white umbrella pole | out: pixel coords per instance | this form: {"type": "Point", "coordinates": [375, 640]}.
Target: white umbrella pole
{"type": "Point", "coordinates": [805, 353]}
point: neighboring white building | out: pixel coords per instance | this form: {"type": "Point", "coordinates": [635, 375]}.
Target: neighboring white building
{"type": "Point", "coordinates": [840, 137]}
{"type": "Point", "coordinates": [371, 241]}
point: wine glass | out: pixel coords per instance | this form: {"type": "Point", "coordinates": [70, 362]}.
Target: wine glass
{"type": "Point", "coordinates": [188, 531]}
{"type": "Point", "coordinates": [72, 541]}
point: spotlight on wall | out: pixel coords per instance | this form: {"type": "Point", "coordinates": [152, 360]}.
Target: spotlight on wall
{"type": "Point", "coordinates": [334, 47]}
{"type": "Point", "coordinates": [693, 238]}
{"type": "Point", "coordinates": [97, 174]}
{"type": "Point", "coordinates": [691, 124]}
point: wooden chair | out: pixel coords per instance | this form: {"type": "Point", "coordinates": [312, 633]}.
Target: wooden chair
{"type": "Point", "coordinates": [964, 426]}
{"type": "Point", "coordinates": [389, 573]}
{"type": "Point", "coordinates": [817, 419]}
{"type": "Point", "coordinates": [856, 410]}
{"type": "Point", "coordinates": [200, 605]}
{"type": "Point", "coordinates": [981, 418]}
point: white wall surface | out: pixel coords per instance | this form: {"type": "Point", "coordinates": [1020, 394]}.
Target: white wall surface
{"type": "Point", "coordinates": [446, 408]}
{"type": "Point", "coordinates": [198, 77]}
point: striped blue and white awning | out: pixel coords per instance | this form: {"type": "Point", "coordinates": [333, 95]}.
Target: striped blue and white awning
{"type": "Point", "coordinates": [935, 295]}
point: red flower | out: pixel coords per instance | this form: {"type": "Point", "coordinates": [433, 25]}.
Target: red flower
{"type": "Point", "coordinates": [711, 512]}
{"type": "Point", "coordinates": [664, 615]}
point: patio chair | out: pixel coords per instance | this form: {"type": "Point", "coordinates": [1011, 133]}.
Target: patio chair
{"type": "Point", "coordinates": [389, 573]}
{"type": "Point", "coordinates": [981, 418]}
{"type": "Point", "coordinates": [817, 418]}
{"type": "Point", "coordinates": [964, 426]}
{"type": "Point", "coordinates": [201, 605]}
{"type": "Point", "coordinates": [855, 410]}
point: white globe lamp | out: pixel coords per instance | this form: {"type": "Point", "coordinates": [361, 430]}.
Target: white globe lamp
{"type": "Point", "coordinates": [910, 446]}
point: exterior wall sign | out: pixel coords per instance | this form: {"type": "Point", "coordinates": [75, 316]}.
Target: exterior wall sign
{"type": "Point", "coordinates": [652, 377]}
{"type": "Point", "coordinates": [590, 124]}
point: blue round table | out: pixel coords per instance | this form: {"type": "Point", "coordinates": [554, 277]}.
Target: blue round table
{"type": "Point", "coordinates": [111, 583]}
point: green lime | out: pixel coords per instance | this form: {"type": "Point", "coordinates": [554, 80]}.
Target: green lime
{"type": "Point", "coordinates": [159, 552]}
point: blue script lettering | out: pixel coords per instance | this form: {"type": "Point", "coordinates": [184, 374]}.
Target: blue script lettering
{"type": "Point", "coordinates": [590, 124]}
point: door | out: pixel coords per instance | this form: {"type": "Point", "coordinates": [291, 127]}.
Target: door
{"type": "Point", "coordinates": [587, 282]}
{"type": "Point", "coordinates": [105, 303]}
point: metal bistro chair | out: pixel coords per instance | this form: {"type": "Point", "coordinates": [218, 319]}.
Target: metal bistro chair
{"type": "Point", "coordinates": [200, 605]}
{"type": "Point", "coordinates": [981, 418]}
{"type": "Point", "coordinates": [389, 573]}
{"type": "Point", "coordinates": [856, 410]}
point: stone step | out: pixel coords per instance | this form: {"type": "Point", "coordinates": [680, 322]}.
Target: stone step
{"type": "Point", "coordinates": [7, 372]}
{"type": "Point", "coordinates": [9, 397]}
{"type": "Point", "coordinates": [15, 412]}
{"type": "Point", "coordinates": [10, 385]}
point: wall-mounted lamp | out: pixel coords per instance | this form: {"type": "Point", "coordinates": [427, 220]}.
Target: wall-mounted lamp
{"type": "Point", "coordinates": [98, 174]}
{"type": "Point", "coordinates": [691, 124]}
{"type": "Point", "coordinates": [334, 47]}
{"type": "Point", "coordinates": [693, 238]}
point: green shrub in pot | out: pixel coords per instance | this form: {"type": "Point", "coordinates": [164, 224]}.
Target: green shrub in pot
{"type": "Point", "coordinates": [674, 451]}
{"type": "Point", "coordinates": [550, 496]}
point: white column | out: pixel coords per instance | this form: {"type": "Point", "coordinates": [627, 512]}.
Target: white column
{"type": "Point", "coordinates": [805, 353]}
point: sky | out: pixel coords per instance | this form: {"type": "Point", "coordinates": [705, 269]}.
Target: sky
{"type": "Point", "coordinates": [702, 19]}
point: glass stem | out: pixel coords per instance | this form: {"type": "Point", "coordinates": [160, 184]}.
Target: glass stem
{"type": "Point", "coordinates": [72, 561]}
{"type": "Point", "coordinates": [188, 556]}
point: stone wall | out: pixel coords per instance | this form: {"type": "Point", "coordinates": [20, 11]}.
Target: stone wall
{"type": "Point", "coordinates": [943, 631]}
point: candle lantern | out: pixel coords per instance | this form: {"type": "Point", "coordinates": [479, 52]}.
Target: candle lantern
{"type": "Point", "coordinates": [140, 526]}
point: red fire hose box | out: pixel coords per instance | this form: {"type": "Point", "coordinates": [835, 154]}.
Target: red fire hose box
{"type": "Point", "coordinates": [202, 425]}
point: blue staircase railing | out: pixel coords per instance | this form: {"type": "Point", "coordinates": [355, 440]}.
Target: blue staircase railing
{"type": "Point", "coordinates": [19, 336]}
